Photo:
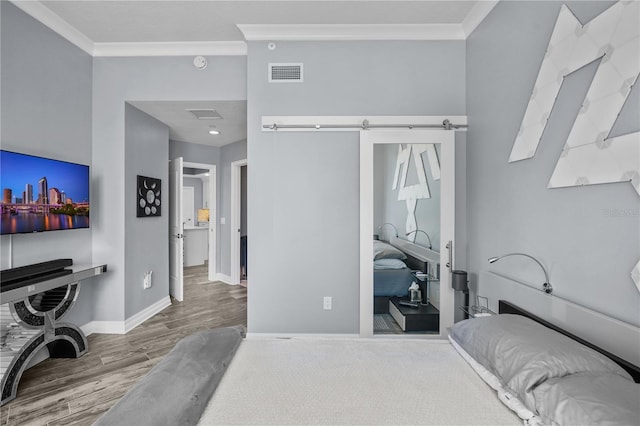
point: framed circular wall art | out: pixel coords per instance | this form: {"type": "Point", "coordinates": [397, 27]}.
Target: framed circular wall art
{"type": "Point", "coordinates": [148, 197]}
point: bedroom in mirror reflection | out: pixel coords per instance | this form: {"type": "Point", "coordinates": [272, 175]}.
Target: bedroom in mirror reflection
{"type": "Point", "coordinates": [406, 217]}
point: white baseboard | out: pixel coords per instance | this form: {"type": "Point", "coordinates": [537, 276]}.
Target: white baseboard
{"type": "Point", "coordinates": [301, 336]}
{"type": "Point", "coordinates": [224, 278]}
{"type": "Point", "coordinates": [145, 314]}
{"type": "Point", "coordinates": [123, 327]}
{"type": "Point", "coordinates": [103, 327]}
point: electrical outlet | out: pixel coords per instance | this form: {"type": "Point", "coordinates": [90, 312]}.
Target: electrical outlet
{"type": "Point", "coordinates": [327, 303]}
{"type": "Point", "coordinates": [146, 282]}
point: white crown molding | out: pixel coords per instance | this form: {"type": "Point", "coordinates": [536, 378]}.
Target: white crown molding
{"type": "Point", "coordinates": [259, 32]}
{"type": "Point", "coordinates": [43, 14]}
{"type": "Point", "coordinates": [48, 18]}
{"type": "Point", "coordinates": [476, 15]}
{"type": "Point", "coordinates": [189, 48]}
{"type": "Point", "coordinates": [341, 32]}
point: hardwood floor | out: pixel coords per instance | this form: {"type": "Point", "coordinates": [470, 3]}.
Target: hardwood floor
{"type": "Point", "coordinates": [78, 391]}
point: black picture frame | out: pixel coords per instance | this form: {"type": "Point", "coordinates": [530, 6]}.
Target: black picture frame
{"type": "Point", "coordinates": [148, 197]}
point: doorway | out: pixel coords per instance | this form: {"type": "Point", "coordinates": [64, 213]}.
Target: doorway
{"type": "Point", "coordinates": [200, 235]}
{"type": "Point", "coordinates": [239, 235]}
{"type": "Point", "coordinates": [204, 212]}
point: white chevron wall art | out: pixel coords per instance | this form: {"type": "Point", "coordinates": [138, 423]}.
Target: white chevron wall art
{"type": "Point", "coordinates": [635, 275]}
{"type": "Point", "coordinates": [589, 155]}
{"type": "Point", "coordinates": [412, 193]}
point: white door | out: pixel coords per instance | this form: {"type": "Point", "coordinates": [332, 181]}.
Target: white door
{"type": "Point", "coordinates": [446, 139]}
{"type": "Point", "coordinates": [176, 231]}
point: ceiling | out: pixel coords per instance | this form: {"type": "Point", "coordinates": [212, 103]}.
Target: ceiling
{"type": "Point", "coordinates": [185, 127]}
{"type": "Point", "coordinates": [222, 27]}
{"type": "Point", "coordinates": [217, 20]}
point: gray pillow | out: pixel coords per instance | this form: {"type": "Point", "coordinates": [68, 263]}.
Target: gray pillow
{"type": "Point", "coordinates": [389, 264]}
{"type": "Point", "coordinates": [522, 353]}
{"type": "Point", "coordinates": [176, 391]}
{"type": "Point", "coordinates": [383, 250]}
{"type": "Point", "coordinates": [589, 399]}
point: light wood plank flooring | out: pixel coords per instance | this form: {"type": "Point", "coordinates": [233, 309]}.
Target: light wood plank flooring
{"type": "Point", "coordinates": [78, 391]}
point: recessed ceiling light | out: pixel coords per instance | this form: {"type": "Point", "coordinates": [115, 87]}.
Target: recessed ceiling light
{"type": "Point", "coordinates": [214, 132]}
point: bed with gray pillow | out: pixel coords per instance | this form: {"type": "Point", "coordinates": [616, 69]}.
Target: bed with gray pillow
{"type": "Point", "coordinates": [547, 377]}
{"type": "Point", "coordinates": [391, 274]}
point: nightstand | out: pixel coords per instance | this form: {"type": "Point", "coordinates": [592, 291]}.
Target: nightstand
{"type": "Point", "coordinates": [475, 311]}
{"type": "Point", "coordinates": [424, 317]}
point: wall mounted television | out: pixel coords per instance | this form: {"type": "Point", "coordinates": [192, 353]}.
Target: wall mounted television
{"type": "Point", "coordinates": [42, 194]}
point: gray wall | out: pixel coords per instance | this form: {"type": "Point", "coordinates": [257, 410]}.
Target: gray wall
{"type": "Point", "coordinates": [116, 81]}
{"type": "Point", "coordinates": [46, 111]}
{"type": "Point", "coordinates": [228, 154]}
{"type": "Point", "coordinates": [304, 187]}
{"type": "Point", "coordinates": [146, 239]}
{"type": "Point", "coordinates": [589, 253]}
{"type": "Point", "coordinates": [194, 152]}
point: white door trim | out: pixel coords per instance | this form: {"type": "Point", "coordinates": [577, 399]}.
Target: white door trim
{"type": "Point", "coordinates": [213, 214]}
{"type": "Point", "coordinates": [235, 219]}
{"type": "Point", "coordinates": [176, 229]}
{"type": "Point", "coordinates": [447, 216]}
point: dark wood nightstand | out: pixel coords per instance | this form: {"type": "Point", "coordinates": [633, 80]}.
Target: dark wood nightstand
{"type": "Point", "coordinates": [422, 318]}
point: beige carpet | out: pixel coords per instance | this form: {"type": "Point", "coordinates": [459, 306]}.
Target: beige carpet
{"type": "Point", "coordinates": [352, 382]}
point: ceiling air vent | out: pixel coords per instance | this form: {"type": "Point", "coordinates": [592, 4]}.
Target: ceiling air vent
{"type": "Point", "coordinates": [205, 114]}
{"type": "Point", "coordinates": [285, 73]}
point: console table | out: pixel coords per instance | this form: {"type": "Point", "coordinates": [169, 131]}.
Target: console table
{"type": "Point", "coordinates": [29, 321]}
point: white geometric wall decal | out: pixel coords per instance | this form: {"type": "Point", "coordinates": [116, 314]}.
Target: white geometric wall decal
{"type": "Point", "coordinates": [401, 161]}
{"type": "Point", "coordinates": [589, 155]}
{"type": "Point", "coordinates": [432, 157]}
{"type": "Point", "coordinates": [412, 193]}
{"type": "Point", "coordinates": [635, 275]}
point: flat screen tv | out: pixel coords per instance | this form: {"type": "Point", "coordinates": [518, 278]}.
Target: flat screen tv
{"type": "Point", "coordinates": [41, 194]}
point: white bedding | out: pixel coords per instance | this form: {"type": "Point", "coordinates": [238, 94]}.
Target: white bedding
{"type": "Point", "coordinates": [352, 382]}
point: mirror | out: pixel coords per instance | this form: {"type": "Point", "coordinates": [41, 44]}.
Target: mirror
{"type": "Point", "coordinates": [406, 215]}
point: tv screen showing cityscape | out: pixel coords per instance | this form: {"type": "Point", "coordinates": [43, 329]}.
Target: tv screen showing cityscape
{"type": "Point", "coordinates": [41, 194]}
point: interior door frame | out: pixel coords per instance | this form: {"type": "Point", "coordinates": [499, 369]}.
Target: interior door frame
{"type": "Point", "coordinates": [368, 138]}
{"type": "Point", "coordinates": [236, 178]}
{"type": "Point", "coordinates": [213, 214]}
{"type": "Point", "coordinates": [176, 230]}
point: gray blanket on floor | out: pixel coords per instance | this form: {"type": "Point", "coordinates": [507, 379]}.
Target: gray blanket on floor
{"type": "Point", "coordinates": [177, 390]}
